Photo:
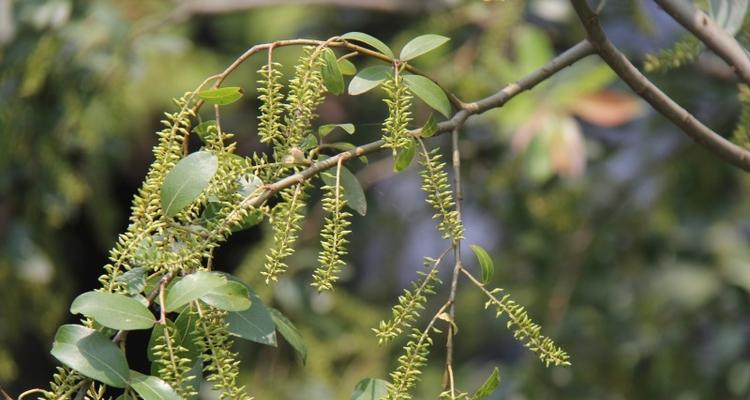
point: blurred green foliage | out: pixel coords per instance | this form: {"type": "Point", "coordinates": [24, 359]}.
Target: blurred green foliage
{"type": "Point", "coordinates": [628, 243]}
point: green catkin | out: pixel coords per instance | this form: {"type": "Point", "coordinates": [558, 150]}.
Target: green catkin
{"type": "Point", "coordinates": [410, 304]}
{"type": "Point", "coordinates": [271, 99]}
{"type": "Point", "coordinates": [173, 367]}
{"type": "Point", "coordinates": [525, 330]}
{"type": "Point", "coordinates": [410, 365]}
{"type": "Point", "coordinates": [684, 51]}
{"type": "Point", "coordinates": [333, 235]}
{"type": "Point", "coordinates": [741, 134]}
{"type": "Point", "coordinates": [221, 365]}
{"type": "Point", "coordinates": [395, 127]}
{"type": "Point", "coordinates": [286, 219]}
{"type": "Point", "coordinates": [439, 194]}
{"type": "Point", "coordinates": [306, 92]}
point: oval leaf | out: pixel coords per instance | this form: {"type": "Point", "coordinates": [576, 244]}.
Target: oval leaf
{"type": "Point", "coordinates": [404, 157]}
{"type": "Point", "coordinates": [368, 79]}
{"type": "Point", "coordinates": [91, 354]}
{"type": "Point", "coordinates": [254, 324]}
{"type": "Point", "coordinates": [232, 296]}
{"type": "Point", "coordinates": [353, 192]}
{"type": "Point", "coordinates": [370, 389]}
{"type": "Point", "coordinates": [374, 42]}
{"type": "Point", "coordinates": [488, 387]}
{"type": "Point", "coordinates": [429, 92]}
{"type": "Point", "coordinates": [485, 262]}
{"type": "Point", "coordinates": [187, 180]}
{"type": "Point", "coordinates": [421, 45]}
{"type": "Point", "coordinates": [151, 387]}
{"type": "Point", "coordinates": [186, 327]}
{"type": "Point", "coordinates": [346, 67]}
{"type": "Point", "coordinates": [221, 96]}
{"type": "Point", "coordinates": [327, 128]}
{"type": "Point", "coordinates": [430, 127]}
{"type": "Point", "coordinates": [113, 310]}
{"type": "Point", "coordinates": [192, 287]}
{"type": "Point", "coordinates": [290, 333]}
{"type": "Point", "coordinates": [332, 76]}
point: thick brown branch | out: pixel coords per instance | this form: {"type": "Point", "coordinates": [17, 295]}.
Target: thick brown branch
{"type": "Point", "coordinates": [715, 38]}
{"type": "Point", "coordinates": [702, 134]}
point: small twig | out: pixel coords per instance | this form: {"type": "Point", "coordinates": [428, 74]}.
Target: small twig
{"type": "Point", "coordinates": [643, 87]}
{"type": "Point", "coordinates": [448, 383]}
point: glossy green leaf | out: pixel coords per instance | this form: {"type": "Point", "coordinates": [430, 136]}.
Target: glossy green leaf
{"type": "Point", "coordinates": [485, 262]}
{"type": "Point", "coordinates": [192, 287]}
{"type": "Point", "coordinates": [134, 280]}
{"type": "Point", "coordinates": [347, 67]}
{"type": "Point", "coordinates": [221, 96]}
{"type": "Point", "coordinates": [368, 79]}
{"type": "Point", "coordinates": [255, 323]}
{"type": "Point", "coordinates": [151, 387]}
{"type": "Point", "coordinates": [185, 182]}
{"type": "Point", "coordinates": [332, 76]}
{"type": "Point", "coordinates": [369, 40]}
{"type": "Point", "coordinates": [113, 310]}
{"type": "Point", "coordinates": [429, 92]}
{"type": "Point", "coordinates": [430, 127]}
{"type": "Point", "coordinates": [488, 387]}
{"type": "Point", "coordinates": [232, 296]}
{"type": "Point", "coordinates": [421, 45]}
{"type": "Point", "coordinates": [91, 354]}
{"type": "Point", "coordinates": [290, 333]}
{"type": "Point", "coordinates": [370, 389]}
{"type": "Point", "coordinates": [309, 142]}
{"type": "Point", "coordinates": [328, 128]}
{"type": "Point", "coordinates": [353, 192]}
{"type": "Point", "coordinates": [404, 156]}
{"type": "Point", "coordinates": [186, 327]}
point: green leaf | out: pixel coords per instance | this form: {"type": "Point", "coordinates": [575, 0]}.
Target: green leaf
{"type": "Point", "coordinates": [421, 45]}
{"type": "Point", "coordinates": [232, 296]}
{"type": "Point", "coordinates": [290, 333]}
{"type": "Point", "coordinates": [488, 387]}
{"type": "Point", "coordinates": [347, 67]}
{"type": "Point", "coordinates": [353, 192]}
{"type": "Point", "coordinates": [369, 40]}
{"type": "Point", "coordinates": [327, 128]}
{"type": "Point", "coordinates": [255, 323]}
{"type": "Point", "coordinates": [155, 333]}
{"type": "Point", "coordinates": [113, 310]}
{"type": "Point", "coordinates": [404, 157]}
{"type": "Point", "coordinates": [197, 377]}
{"type": "Point", "coordinates": [368, 79]}
{"type": "Point", "coordinates": [309, 142]}
{"type": "Point", "coordinates": [429, 92]}
{"type": "Point", "coordinates": [332, 76]}
{"type": "Point", "coordinates": [370, 389]}
{"type": "Point", "coordinates": [485, 262]}
{"type": "Point", "coordinates": [192, 287]}
{"type": "Point", "coordinates": [186, 328]}
{"type": "Point", "coordinates": [91, 354]}
{"type": "Point", "coordinates": [203, 129]}
{"type": "Point", "coordinates": [134, 280]}
{"type": "Point", "coordinates": [430, 127]}
{"type": "Point", "coordinates": [151, 387]}
{"type": "Point", "coordinates": [221, 96]}
{"type": "Point", "coordinates": [185, 182]}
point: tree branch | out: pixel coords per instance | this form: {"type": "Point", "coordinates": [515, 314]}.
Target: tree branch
{"type": "Point", "coordinates": [702, 134]}
{"type": "Point", "coordinates": [715, 38]}
{"type": "Point", "coordinates": [496, 100]}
